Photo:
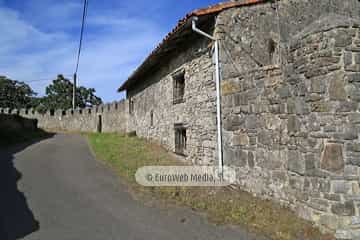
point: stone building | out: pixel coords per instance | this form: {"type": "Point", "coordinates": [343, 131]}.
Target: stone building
{"type": "Point", "coordinates": [290, 79]}
{"type": "Point", "coordinates": [290, 101]}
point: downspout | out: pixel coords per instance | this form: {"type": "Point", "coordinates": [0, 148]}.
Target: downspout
{"type": "Point", "coordinates": [218, 96]}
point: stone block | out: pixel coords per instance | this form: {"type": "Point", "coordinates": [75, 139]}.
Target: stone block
{"type": "Point", "coordinates": [342, 39]}
{"type": "Point", "coordinates": [279, 176]}
{"type": "Point", "coordinates": [332, 158]}
{"type": "Point", "coordinates": [229, 87]}
{"type": "Point", "coordinates": [353, 68]}
{"type": "Point", "coordinates": [332, 197]}
{"type": "Point", "coordinates": [265, 138]}
{"type": "Point", "coordinates": [353, 147]}
{"type": "Point", "coordinates": [240, 99]}
{"type": "Point", "coordinates": [343, 234]}
{"type": "Point", "coordinates": [317, 85]}
{"type": "Point", "coordinates": [251, 122]}
{"type": "Point", "coordinates": [296, 162]}
{"type": "Point", "coordinates": [320, 106]}
{"type": "Point", "coordinates": [347, 106]}
{"type": "Point", "coordinates": [343, 209]}
{"type": "Point", "coordinates": [310, 162]}
{"type": "Point", "coordinates": [337, 88]}
{"type": "Point", "coordinates": [313, 97]}
{"type": "Point", "coordinates": [235, 157]}
{"type": "Point", "coordinates": [233, 122]}
{"type": "Point", "coordinates": [340, 186]}
{"type": "Point", "coordinates": [240, 139]}
{"type": "Point", "coordinates": [357, 58]}
{"type": "Point", "coordinates": [293, 125]}
{"type": "Point", "coordinates": [347, 58]}
{"type": "Point", "coordinates": [319, 204]}
{"type": "Point", "coordinates": [354, 161]}
{"type": "Point", "coordinates": [353, 77]}
{"type": "Point", "coordinates": [284, 92]}
{"type": "Point", "coordinates": [251, 159]}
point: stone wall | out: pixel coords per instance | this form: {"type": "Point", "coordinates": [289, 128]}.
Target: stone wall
{"type": "Point", "coordinates": [113, 118]}
{"type": "Point", "coordinates": [197, 111]}
{"type": "Point", "coordinates": [290, 107]}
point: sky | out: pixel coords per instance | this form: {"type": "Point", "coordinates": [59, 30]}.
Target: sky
{"type": "Point", "coordinates": [39, 39]}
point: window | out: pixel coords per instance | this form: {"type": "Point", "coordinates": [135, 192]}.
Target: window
{"type": "Point", "coordinates": [151, 118]}
{"type": "Point", "coordinates": [179, 87]}
{"type": "Point", "coordinates": [180, 139]}
{"type": "Point", "coordinates": [271, 48]}
{"type": "Point", "coordinates": [52, 112]}
{"type": "Point", "coordinates": [131, 106]}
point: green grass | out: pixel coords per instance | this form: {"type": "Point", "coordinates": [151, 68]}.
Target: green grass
{"type": "Point", "coordinates": [223, 206]}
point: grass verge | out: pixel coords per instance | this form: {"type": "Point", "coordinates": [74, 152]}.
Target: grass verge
{"type": "Point", "coordinates": [222, 205]}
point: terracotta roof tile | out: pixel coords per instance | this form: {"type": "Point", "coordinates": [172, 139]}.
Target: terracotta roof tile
{"type": "Point", "coordinates": [213, 9]}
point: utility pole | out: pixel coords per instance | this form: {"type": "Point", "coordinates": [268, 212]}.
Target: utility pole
{"type": "Point", "coordinates": [74, 92]}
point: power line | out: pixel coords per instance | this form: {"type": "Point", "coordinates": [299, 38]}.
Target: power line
{"type": "Point", "coordinates": [79, 52]}
{"type": "Point", "coordinates": [81, 34]}
{"type": "Point", "coordinates": [43, 79]}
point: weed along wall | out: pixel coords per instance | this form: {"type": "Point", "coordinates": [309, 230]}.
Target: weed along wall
{"type": "Point", "coordinates": [290, 94]}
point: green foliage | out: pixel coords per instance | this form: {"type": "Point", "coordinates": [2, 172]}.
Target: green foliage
{"type": "Point", "coordinates": [15, 94]}
{"type": "Point", "coordinates": [59, 96]}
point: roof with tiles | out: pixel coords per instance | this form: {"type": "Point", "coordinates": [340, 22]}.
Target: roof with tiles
{"type": "Point", "coordinates": [214, 9]}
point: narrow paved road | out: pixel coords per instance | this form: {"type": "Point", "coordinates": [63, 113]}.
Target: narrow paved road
{"type": "Point", "coordinates": [55, 189]}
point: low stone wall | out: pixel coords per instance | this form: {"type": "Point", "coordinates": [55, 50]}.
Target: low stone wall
{"type": "Point", "coordinates": [105, 118]}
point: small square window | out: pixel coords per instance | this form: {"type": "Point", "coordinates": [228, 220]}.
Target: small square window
{"type": "Point", "coordinates": [179, 87]}
{"type": "Point", "coordinates": [180, 139]}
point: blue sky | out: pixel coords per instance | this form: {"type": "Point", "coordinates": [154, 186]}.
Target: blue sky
{"type": "Point", "coordinates": [39, 39]}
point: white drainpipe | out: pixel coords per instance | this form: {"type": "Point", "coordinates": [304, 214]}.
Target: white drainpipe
{"type": "Point", "coordinates": [218, 97]}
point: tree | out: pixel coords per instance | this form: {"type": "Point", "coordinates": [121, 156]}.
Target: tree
{"type": "Point", "coordinates": [15, 94]}
{"type": "Point", "coordinates": [59, 95]}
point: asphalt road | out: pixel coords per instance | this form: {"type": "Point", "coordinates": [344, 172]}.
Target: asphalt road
{"type": "Point", "coordinates": [56, 190]}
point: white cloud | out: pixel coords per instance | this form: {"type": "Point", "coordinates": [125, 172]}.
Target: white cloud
{"type": "Point", "coordinates": [113, 47]}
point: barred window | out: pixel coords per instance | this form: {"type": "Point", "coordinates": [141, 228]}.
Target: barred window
{"type": "Point", "coordinates": [179, 87]}
{"type": "Point", "coordinates": [180, 139]}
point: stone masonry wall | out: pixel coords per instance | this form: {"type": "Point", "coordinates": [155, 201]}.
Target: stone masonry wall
{"type": "Point", "coordinates": [197, 112]}
{"type": "Point", "coordinates": [113, 118]}
{"type": "Point", "coordinates": [291, 107]}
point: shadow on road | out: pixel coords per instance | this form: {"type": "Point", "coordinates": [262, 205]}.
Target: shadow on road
{"type": "Point", "coordinates": [16, 217]}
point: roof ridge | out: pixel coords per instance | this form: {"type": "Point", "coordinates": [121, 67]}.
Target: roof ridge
{"type": "Point", "coordinates": [212, 9]}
